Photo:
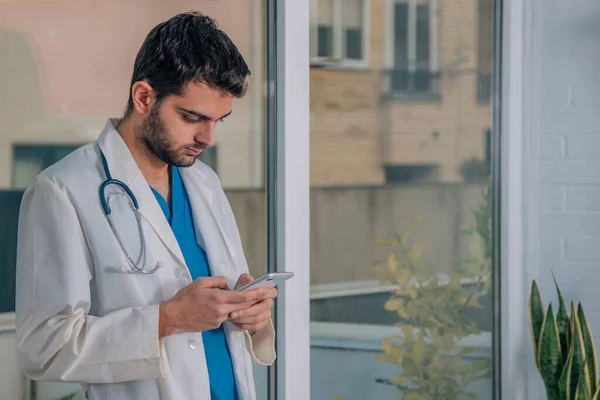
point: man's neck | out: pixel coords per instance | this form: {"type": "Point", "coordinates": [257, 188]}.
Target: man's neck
{"type": "Point", "coordinates": [154, 170]}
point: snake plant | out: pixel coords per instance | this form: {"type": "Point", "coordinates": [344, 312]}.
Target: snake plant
{"type": "Point", "coordinates": [564, 349]}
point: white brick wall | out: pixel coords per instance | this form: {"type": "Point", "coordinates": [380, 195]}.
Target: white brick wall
{"type": "Point", "coordinates": [562, 154]}
{"type": "Point", "coordinates": [563, 143]}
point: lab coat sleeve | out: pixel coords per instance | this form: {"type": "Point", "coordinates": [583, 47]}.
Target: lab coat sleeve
{"type": "Point", "coordinates": [57, 340]}
{"type": "Point", "coordinates": [261, 345]}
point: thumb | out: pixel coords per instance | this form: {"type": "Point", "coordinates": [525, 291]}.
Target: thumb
{"type": "Point", "coordinates": [217, 282]}
{"type": "Point", "coordinates": [243, 279]}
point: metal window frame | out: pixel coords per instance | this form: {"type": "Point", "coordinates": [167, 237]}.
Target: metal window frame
{"type": "Point", "coordinates": [339, 59]}
{"type": "Point", "coordinates": [512, 362]}
{"type": "Point", "coordinates": [434, 32]}
{"type": "Point", "coordinates": [288, 191]}
{"type": "Point", "coordinates": [288, 159]}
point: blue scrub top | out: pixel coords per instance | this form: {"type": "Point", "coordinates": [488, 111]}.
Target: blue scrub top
{"type": "Point", "coordinates": [218, 359]}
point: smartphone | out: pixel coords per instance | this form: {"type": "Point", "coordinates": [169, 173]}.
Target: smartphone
{"type": "Point", "coordinates": [269, 280]}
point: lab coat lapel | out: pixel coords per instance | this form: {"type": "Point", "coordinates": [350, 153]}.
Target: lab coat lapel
{"type": "Point", "coordinates": [209, 230]}
{"type": "Point", "coordinates": [124, 168]}
{"type": "Point", "coordinates": [212, 236]}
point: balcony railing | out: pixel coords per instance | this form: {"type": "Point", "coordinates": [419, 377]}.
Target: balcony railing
{"type": "Point", "coordinates": [417, 85]}
{"type": "Point", "coordinates": [484, 87]}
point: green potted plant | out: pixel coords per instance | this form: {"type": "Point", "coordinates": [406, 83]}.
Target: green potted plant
{"type": "Point", "coordinates": [565, 354]}
{"type": "Point", "coordinates": [432, 309]}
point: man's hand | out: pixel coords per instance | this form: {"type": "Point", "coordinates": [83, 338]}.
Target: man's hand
{"type": "Point", "coordinates": [204, 305]}
{"type": "Point", "coordinates": [258, 315]}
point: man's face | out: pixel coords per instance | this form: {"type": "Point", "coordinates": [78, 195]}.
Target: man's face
{"type": "Point", "coordinates": [179, 128]}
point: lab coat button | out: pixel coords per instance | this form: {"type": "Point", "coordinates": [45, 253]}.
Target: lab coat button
{"type": "Point", "coordinates": [179, 273]}
{"type": "Point", "coordinates": [193, 343]}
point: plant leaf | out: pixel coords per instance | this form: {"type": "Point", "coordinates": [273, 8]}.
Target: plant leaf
{"type": "Point", "coordinates": [536, 318]}
{"type": "Point", "coordinates": [590, 348]}
{"type": "Point", "coordinates": [597, 393]}
{"type": "Point", "coordinates": [583, 388]}
{"type": "Point", "coordinates": [411, 226]}
{"type": "Point", "coordinates": [417, 251]}
{"type": "Point", "coordinates": [579, 367]}
{"type": "Point", "coordinates": [393, 304]}
{"type": "Point", "coordinates": [392, 264]}
{"type": "Point", "coordinates": [565, 378]}
{"type": "Point", "coordinates": [550, 356]}
{"type": "Point", "coordinates": [562, 322]}
{"type": "Point", "coordinates": [419, 351]}
{"type": "Point", "coordinates": [403, 276]}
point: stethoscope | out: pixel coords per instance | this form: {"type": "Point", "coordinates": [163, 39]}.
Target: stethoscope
{"type": "Point", "coordinates": [134, 266]}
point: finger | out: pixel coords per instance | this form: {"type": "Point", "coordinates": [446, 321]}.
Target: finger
{"type": "Point", "coordinates": [256, 309]}
{"type": "Point", "coordinates": [217, 282]}
{"type": "Point", "coordinates": [247, 296]}
{"type": "Point", "coordinates": [251, 327]}
{"type": "Point", "coordinates": [253, 320]}
{"type": "Point", "coordinates": [243, 280]}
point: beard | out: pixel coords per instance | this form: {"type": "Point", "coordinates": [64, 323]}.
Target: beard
{"type": "Point", "coordinates": [156, 138]}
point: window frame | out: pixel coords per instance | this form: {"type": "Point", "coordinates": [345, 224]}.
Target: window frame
{"type": "Point", "coordinates": [389, 67]}
{"type": "Point", "coordinates": [389, 41]}
{"type": "Point", "coordinates": [513, 20]}
{"type": "Point", "coordinates": [288, 191]}
{"type": "Point", "coordinates": [339, 60]}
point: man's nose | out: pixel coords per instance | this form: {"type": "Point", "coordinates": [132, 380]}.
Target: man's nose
{"type": "Point", "coordinates": [206, 135]}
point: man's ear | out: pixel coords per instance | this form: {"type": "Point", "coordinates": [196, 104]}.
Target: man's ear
{"type": "Point", "coordinates": [143, 96]}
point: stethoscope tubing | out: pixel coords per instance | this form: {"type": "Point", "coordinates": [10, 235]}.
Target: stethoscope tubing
{"type": "Point", "coordinates": [105, 205]}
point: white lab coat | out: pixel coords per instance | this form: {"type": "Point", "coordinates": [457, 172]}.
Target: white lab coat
{"type": "Point", "coordinates": [81, 319]}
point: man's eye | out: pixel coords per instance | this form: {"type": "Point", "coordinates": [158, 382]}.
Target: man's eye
{"type": "Point", "coordinates": [190, 120]}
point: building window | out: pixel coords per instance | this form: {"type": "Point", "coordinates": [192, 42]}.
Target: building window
{"type": "Point", "coordinates": [413, 71]}
{"type": "Point", "coordinates": [484, 51]}
{"type": "Point", "coordinates": [339, 32]}
{"type": "Point", "coordinates": [31, 159]}
{"type": "Point", "coordinates": [395, 174]}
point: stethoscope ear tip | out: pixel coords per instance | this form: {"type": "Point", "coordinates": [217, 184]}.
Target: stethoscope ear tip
{"type": "Point", "coordinates": [160, 264]}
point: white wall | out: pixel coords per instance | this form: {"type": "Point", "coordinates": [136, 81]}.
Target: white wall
{"type": "Point", "coordinates": [561, 143]}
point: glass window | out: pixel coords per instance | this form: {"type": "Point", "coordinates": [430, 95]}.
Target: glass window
{"type": "Point", "coordinates": [413, 73]}
{"type": "Point", "coordinates": [30, 160]}
{"type": "Point", "coordinates": [325, 28]}
{"type": "Point", "coordinates": [353, 29]}
{"type": "Point", "coordinates": [339, 32]}
{"type": "Point", "coordinates": [401, 302]}
{"type": "Point", "coordinates": [66, 68]}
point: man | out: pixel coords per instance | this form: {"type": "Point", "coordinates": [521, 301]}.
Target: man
{"type": "Point", "coordinates": [142, 306]}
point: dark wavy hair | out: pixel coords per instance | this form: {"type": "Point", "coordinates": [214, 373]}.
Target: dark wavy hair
{"type": "Point", "coordinates": [189, 47]}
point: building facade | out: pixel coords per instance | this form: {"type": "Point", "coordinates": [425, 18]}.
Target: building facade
{"type": "Point", "coordinates": [399, 90]}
